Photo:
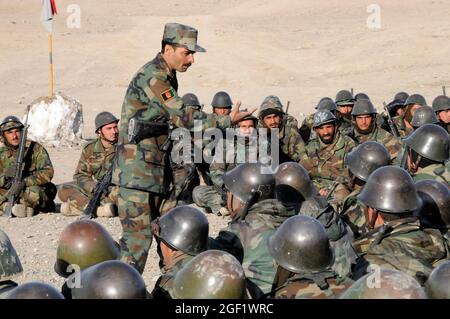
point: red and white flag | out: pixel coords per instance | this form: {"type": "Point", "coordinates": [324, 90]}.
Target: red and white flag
{"type": "Point", "coordinates": [47, 12]}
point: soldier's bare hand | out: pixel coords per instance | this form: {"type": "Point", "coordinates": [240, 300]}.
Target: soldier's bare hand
{"type": "Point", "coordinates": [236, 115]}
{"type": "Point", "coordinates": [323, 192]}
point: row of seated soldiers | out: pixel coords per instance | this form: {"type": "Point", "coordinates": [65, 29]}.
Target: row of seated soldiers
{"type": "Point", "coordinates": [284, 241]}
{"type": "Point", "coordinates": [319, 144]}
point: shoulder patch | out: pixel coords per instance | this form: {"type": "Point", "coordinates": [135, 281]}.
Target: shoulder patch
{"type": "Point", "coordinates": [168, 94]}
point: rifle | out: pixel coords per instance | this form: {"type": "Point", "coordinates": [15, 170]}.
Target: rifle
{"type": "Point", "coordinates": [100, 188]}
{"type": "Point", "coordinates": [19, 165]}
{"type": "Point", "coordinates": [331, 190]}
{"type": "Point", "coordinates": [351, 91]}
{"type": "Point", "coordinates": [391, 123]}
{"type": "Point", "coordinates": [287, 106]}
{"type": "Point", "coordinates": [139, 130]}
{"type": "Point", "coordinates": [443, 90]}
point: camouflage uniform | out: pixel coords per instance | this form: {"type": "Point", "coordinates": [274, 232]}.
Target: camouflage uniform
{"type": "Point", "coordinates": [325, 163]}
{"type": "Point", "coordinates": [142, 171]}
{"type": "Point", "coordinates": [38, 192]}
{"type": "Point", "coordinates": [437, 172]}
{"type": "Point", "coordinates": [406, 247]}
{"type": "Point", "coordinates": [302, 287]}
{"type": "Point", "coordinates": [401, 126]}
{"type": "Point", "coordinates": [352, 212]}
{"type": "Point", "coordinates": [261, 222]}
{"type": "Point", "coordinates": [94, 163]}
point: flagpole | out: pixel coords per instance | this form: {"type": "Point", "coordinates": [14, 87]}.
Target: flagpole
{"type": "Point", "coordinates": [50, 50]}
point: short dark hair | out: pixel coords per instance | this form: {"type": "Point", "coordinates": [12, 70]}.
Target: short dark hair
{"type": "Point", "coordinates": [164, 43]}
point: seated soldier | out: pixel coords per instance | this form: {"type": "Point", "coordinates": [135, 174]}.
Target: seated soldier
{"type": "Point", "coordinates": [35, 192]}
{"type": "Point", "coordinates": [428, 153]}
{"type": "Point", "coordinates": [344, 101]}
{"type": "Point", "coordinates": [423, 115]}
{"type": "Point", "coordinates": [182, 233]}
{"type": "Point", "coordinates": [395, 238]}
{"type": "Point", "coordinates": [441, 105]}
{"type": "Point", "coordinates": [95, 161]}
{"type": "Point", "coordinates": [301, 248]}
{"type": "Point", "coordinates": [324, 156]}
{"type": "Point", "coordinates": [360, 163]}
{"type": "Point", "coordinates": [258, 214]}
{"type": "Point", "coordinates": [242, 149]}
{"type": "Point", "coordinates": [403, 121]}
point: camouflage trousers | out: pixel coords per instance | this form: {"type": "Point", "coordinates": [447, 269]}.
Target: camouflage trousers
{"type": "Point", "coordinates": [136, 210]}
{"type": "Point", "coordinates": [209, 198]}
{"type": "Point", "coordinates": [37, 197]}
{"type": "Point", "coordinates": [79, 198]}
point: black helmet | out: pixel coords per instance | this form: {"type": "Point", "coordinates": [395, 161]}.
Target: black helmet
{"type": "Point", "coordinates": [84, 243]}
{"type": "Point", "coordinates": [111, 279]}
{"type": "Point", "coordinates": [190, 99]}
{"type": "Point", "coordinates": [430, 141]}
{"type": "Point", "coordinates": [401, 97]}
{"type": "Point", "coordinates": [34, 290]}
{"type": "Point", "coordinates": [213, 274]}
{"type": "Point", "coordinates": [388, 284]}
{"type": "Point", "coordinates": [327, 104]}
{"type": "Point", "coordinates": [323, 117]}
{"type": "Point", "coordinates": [9, 260]}
{"type": "Point", "coordinates": [292, 183]}
{"type": "Point", "coordinates": [365, 158]}
{"type": "Point", "coordinates": [438, 284]}
{"type": "Point", "coordinates": [435, 196]}
{"type": "Point", "coordinates": [344, 97]}
{"type": "Point", "coordinates": [361, 96]}
{"type": "Point", "coordinates": [390, 189]}
{"type": "Point", "coordinates": [184, 228]}
{"type": "Point", "coordinates": [301, 244]}
{"type": "Point", "coordinates": [441, 103]}
{"type": "Point", "coordinates": [104, 118]}
{"type": "Point", "coordinates": [424, 115]}
{"type": "Point", "coordinates": [363, 107]}
{"type": "Point", "coordinates": [10, 122]}
{"type": "Point", "coordinates": [248, 178]}
{"type": "Point", "coordinates": [416, 99]}
{"type": "Point", "coordinates": [222, 100]}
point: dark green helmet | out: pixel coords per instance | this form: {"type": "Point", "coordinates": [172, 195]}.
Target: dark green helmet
{"type": "Point", "coordinates": [344, 97]}
{"type": "Point", "coordinates": [424, 115]}
{"type": "Point", "coordinates": [401, 97]}
{"type": "Point", "coordinates": [327, 104]}
{"type": "Point", "coordinates": [301, 244]}
{"type": "Point", "coordinates": [270, 105]}
{"type": "Point", "coordinates": [435, 211]}
{"type": "Point", "coordinates": [111, 279]}
{"type": "Point", "coordinates": [190, 99]}
{"type": "Point", "coordinates": [416, 99]}
{"type": "Point", "coordinates": [363, 107]}
{"type": "Point", "coordinates": [441, 103]}
{"type": "Point", "coordinates": [213, 274]}
{"type": "Point", "coordinates": [10, 122]}
{"type": "Point", "coordinates": [84, 243]}
{"type": "Point", "coordinates": [248, 179]}
{"type": "Point", "coordinates": [323, 117]}
{"type": "Point", "coordinates": [366, 158]}
{"type": "Point", "coordinates": [293, 184]}
{"type": "Point", "coordinates": [390, 189]}
{"type": "Point", "coordinates": [10, 265]}
{"type": "Point", "coordinates": [104, 118]}
{"type": "Point", "coordinates": [185, 228]}
{"type": "Point", "coordinates": [385, 284]}
{"type": "Point", "coordinates": [222, 100]}
{"type": "Point", "coordinates": [361, 96]}
{"type": "Point", "coordinates": [35, 290]}
{"type": "Point", "coordinates": [438, 284]}
{"type": "Point", "coordinates": [430, 141]}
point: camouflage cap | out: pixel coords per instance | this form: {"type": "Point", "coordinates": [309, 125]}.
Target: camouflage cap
{"type": "Point", "coordinates": [176, 33]}
{"type": "Point", "coordinates": [270, 105]}
{"type": "Point", "coordinates": [10, 122]}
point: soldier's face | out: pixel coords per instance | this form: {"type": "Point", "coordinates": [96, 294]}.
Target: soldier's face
{"type": "Point", "coordinates": [364, 122]}
{"type": "Point", "coordinates": [345, 109]}
{"type": "Point", "coordinates": [444, 116]}
{"type": "Point", "coordinates": [12, 137]}
{"type": "Point", "coordinates": [246, 127]}
{"type": "Point", "coordinates": [222, 111]}
{"type": "Point", "coordinates": [178, 58]}
{"type": "Point", "coordinates": [401, 111]}
{"type": "Point", "coordinates": [110, 132]}
{"type": "Point", "coordinates": [326, 133]}
{"type": "Point", "coordinates": [272, 121]}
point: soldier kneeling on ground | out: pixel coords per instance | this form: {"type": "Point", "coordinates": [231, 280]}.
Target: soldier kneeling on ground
{"type": "Point", "coordinates": [95, 161]}
{"type": "Point", "coordinates": [34, 192]}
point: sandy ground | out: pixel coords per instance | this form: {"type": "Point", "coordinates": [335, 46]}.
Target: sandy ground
{"type": "Point", "coordinates": [298, 50]}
